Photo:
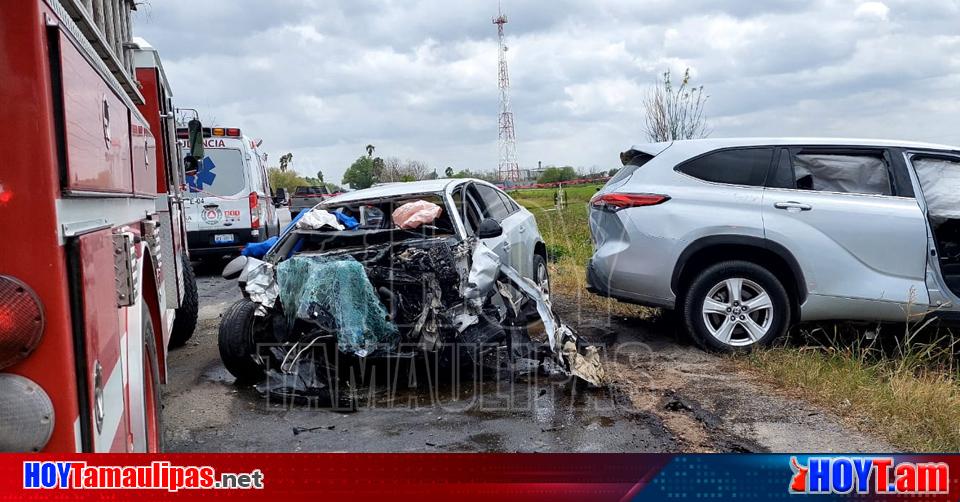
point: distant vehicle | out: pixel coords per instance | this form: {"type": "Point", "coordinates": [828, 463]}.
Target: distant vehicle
{"type": "Point", "coordinates": [746, 236]}
{"type": "Point", "coordinates": [228, 201]}
{"type": "Point", "coordinates": [305, 197]}
{"type": "Point", "coordinates": [98, 285]}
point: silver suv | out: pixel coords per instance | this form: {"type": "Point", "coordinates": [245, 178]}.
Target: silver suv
{"type": "Point", "coordinates": [746, 236]}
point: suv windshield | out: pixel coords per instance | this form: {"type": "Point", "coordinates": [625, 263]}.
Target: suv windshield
{"type": "Point", "coordinates": [220, 174]}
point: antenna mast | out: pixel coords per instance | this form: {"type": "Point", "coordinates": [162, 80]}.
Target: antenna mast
{"type": "Point", "coordinates": [509, 168]}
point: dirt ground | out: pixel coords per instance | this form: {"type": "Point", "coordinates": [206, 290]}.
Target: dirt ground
{"type": "Point", "coordinates": [665, 396]}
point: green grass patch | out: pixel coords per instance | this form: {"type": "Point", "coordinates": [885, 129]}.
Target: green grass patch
{"type": "Point", "coordinates": [567, 236]}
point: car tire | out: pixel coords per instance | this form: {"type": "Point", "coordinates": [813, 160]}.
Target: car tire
{"type": "Point", "coordinates": [735, 306]}
{"type": "Point", "coordinates": [185, 322]}
{"type": "Point", "coordinates": [153, 422]}
{"type": "Point", "coordinates": [237, 342]}
{"type": "Point", "coordinates": [541, 274]}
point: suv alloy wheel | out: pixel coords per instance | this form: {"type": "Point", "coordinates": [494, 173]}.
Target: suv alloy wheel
{"type": "Point", "coordinates": [736, 305]}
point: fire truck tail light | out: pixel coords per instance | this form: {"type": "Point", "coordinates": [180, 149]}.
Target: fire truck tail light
{"type": "Point", "coordinates": [26, 414]}
{"type": "Point", "coordinates": [254, 210]}
{"type": "Point", "coordinates": [21, 321]}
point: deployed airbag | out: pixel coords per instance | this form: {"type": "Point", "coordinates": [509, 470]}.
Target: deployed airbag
{"type": "Point", "coordinates": [842, 173]}
{"type": "Point", "coordinates": [940, 181]}
{"type": "Point", "coordinates": [413, 214]}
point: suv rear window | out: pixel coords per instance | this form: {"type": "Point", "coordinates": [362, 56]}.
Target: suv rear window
{"type": "Point", "coordinates": [741, 166]}
{"type": "Point", "coordinates": [311, 191]}
{"type": "Point", "coordinates": [635, 162]}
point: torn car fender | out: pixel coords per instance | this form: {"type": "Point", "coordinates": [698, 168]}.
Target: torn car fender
{"type": "Point", "coordinates": [259, 279]}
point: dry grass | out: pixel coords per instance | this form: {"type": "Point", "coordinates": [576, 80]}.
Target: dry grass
{"type": "Point", "coordinates": [908, 394]}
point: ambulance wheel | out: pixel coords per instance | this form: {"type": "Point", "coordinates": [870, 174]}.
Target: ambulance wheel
{"type": "Point", "coordinates": [185, 323]}
{"type": "Point", "coordinates": [153, 424]}
{"type": "Point", "coordinates": [238, 343]}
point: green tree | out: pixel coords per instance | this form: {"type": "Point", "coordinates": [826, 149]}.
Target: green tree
{"type": "Point", "coordinates": [362, 173]}
{"type": "Point", "coordinates": [285, 161]}
{"type": "Point", "coordinates": [612, 172]}
{"type": "Point", "coordinates": [554, 174]}
{"type": "Point", "coordinates": [320, 176]}
{"type": "Point", "coordinates": [288, 180]}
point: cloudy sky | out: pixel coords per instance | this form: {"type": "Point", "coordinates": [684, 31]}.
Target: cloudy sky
{"type": "Point", "coordinates": [323, 78]}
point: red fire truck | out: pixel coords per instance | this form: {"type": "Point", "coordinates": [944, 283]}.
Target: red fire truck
{"type": "Point", "coordinates": [95, 282]}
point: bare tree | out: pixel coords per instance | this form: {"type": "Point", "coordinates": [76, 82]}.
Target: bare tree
{"type": "Point", "coordinates": [673, 113]}
{"type": "Point", "coordinates": [415, 170]}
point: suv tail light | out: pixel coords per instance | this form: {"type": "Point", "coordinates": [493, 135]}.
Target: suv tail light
{"type": "Point", "coordinates": [614, 202]}
{"type": "Point", "coordinates": [21, 321]}
{"type": "Point", "coordinates": [254, 210]}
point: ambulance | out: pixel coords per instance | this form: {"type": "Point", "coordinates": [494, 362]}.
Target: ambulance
{"type": "Point", "coordinates": [228, 201]}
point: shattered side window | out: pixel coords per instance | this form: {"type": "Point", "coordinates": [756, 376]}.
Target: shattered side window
{"type": "Point", "coordinates": [371, 217]}
{"type": "Point", "coordinates": [862, 174]}
{"type": "Point", "coordinates": [458, 202]}
{"type": "Point", "coordinates": [493, 205]}
{"type": "Point", "coordinates": [470, 211]}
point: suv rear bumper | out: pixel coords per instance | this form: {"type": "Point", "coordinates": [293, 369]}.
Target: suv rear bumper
{"type": "Point", "coordinates": [600, 287]}
{"type": "Point", "coordinates": [201, 242]}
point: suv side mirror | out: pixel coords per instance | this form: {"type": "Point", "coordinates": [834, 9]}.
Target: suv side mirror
{"type": "Point", "coordinates": [489, 228]}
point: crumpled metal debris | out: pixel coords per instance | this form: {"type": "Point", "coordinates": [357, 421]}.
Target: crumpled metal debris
{"type": "Point", "coordinates": [561, 338]}
{"type": "Point", "coordinates": [484, 269]}
{"type": "Point", "coordinates": [586, 366]}
{"type": "Point", "coordinates": [261, 285]}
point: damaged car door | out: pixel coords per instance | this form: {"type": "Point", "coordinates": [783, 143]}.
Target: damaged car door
{"type": "Point", "coordinates": [512, 245]}
{"type": "Point", "coordinates": [474, 212]}
{"type": "Point", "coordinates": [854, 208]}
{"type": "Point", "coordinates": [938, 174]}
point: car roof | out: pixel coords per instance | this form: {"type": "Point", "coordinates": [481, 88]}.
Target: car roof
{"type": "Point", "coordinates": [708, 144]}
{"type": "Point", "coordinates": [399, 189]}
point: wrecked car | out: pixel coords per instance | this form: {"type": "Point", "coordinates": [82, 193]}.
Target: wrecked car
{"type": "Point", "coordinates": [395, 271]}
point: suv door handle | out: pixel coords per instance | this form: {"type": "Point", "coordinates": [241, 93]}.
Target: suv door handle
{"type": "Point", "coordinates": [793, 206]}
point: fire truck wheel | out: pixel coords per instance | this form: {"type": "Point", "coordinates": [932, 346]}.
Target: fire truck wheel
{"type": "Point", "coordinates": [238, 345]}
{"type": "Point", "coordinates": [185, 323]}
{"type": "Point", "coordinates": [151, 385]}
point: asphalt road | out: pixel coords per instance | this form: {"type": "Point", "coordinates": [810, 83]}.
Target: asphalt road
{"type": "Point", "coordinates": [665, 396]}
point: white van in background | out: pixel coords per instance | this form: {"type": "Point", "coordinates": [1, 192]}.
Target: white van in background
{"type": "Point", "coordinates": [228, 198]}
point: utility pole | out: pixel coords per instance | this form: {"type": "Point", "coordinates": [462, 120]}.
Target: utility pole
{"type": "Point", "coordinates": [509, 168]}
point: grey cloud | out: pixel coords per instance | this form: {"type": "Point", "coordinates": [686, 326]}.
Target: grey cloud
{"type": "Point", "coordinates": [418, 78]}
